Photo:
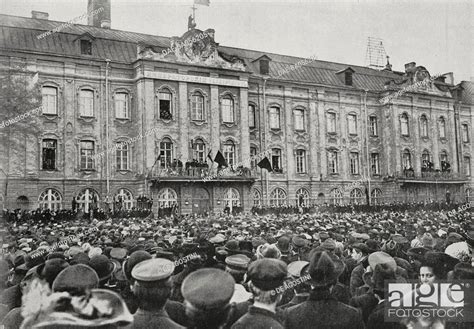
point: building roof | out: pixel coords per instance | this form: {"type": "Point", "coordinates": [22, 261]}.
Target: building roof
{"type": "Point", "coordinates": [467, 92]}
{"type": "Point", "coordinates": [21, 34]}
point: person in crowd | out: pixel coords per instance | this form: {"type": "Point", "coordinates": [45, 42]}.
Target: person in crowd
{"type": "Point", "coordinates": [152, 287]}
{"type": "Point", "coordinates": [298, 270]}
{"type": "Point", "coordinates": [360, 252]}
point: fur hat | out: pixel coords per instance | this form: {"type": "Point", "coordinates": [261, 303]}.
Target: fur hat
{"type": "Point", "coordinates": [322, 269]}
{"type": "Point", "coordinates": [268, 251]}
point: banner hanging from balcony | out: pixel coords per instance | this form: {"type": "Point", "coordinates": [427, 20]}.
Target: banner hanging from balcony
{"type": "Point", "coordinates": [265, 164]}
{"type": "Point", "coordinates": [220, 160]}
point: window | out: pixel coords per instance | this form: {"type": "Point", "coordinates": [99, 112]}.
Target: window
{"type": "Point", "coordinates": [336, 196]}
{"type": "Point", "coordinates": [467, 166]}
{"type": "Point", "coordinates": [121, 106]}
{"type": "Point", "coordinates": [354, 162]}
{"type": "Point", "coordinates": [425, 159]}
{"type": "Point", "coordinates": [122, 156]}
{"type": "Point", "coordinates": [348, 78]}
{"type": "Point", "coordinates": [465, 133]}
{"type": "Point", "coordinates": [406, 160]}
{"type": "Point", "coordinates": [423, 126]}
{"type": "Point", "coordinates": [125, 198]}
{"type": "Point", "coordinates": [86, 103]}
{"type": "Point", "coordinates": [257, 198]}
{"type": "Point", "coordinates": [332, 162]}
{"type": "Point", "coordinates": [468, 194]}
{"type": "Point", "coordinates": [50, 199]}
{"type": "Point", "coordinates": [50, 100]}
{"type": "Point", "coordinates": [300, 161]}
{"type": "Point", "coordinates": [442, 128]}
{"type": "Point", "coordinates": [352, 124]}
{"type": "Point", "coordinates": [86, 47]}
{"type": "Point", "coordinates": [278, 197]}
{"type": "Point", "coordinates": [356, 196]}
{"type": "Point", "coordinates": [274, 117]}
{"type": "Point", "coordinates": [252, 116]}
{"type": "Point", "coordinates": [49, 154]}
{"type": "Point", "coordinates": [374, 163]}
{"type": "Point", "coordinates": [232, 198]}
{"type": "Point", "coordinates": [376, 196]}
{"type": "Point", "coordinates": [373, 125]}
{"type": "Point", "coordinates": [276, 160]}
{"type": "Point", "coordinates": [197, 107]}
{"type": "Point", "coordinates": [299, 120]}
{"type": "Point", "coordinates": [87, 155]}
{"type": "Point", "coordinates": [164, 104]}
{"type": "Point", "coordinates": [166, 153]}
{"type": "Point", "coordinates": [229, 153]}
{"type": "Point", "coordinates": [264, 66]}
{"type": "Point", "coordinates": [227, 110]}
{"type": "Point", "coordinates": [443, 156]}
{"type": "Point", "coordinates": [331, 122]}
{"type": "Point", "coordinates": [253, 155]}
{"type": "Point", "coordinates": [445, 166]}
{"type": "Point", "coordinates": [200, 150]}
{"type": "Point", "coordinates": [404, 125]}
{"type": "Point", "coordinates": [167, 197]}
{"type": "Point", "coordinates": [86, 199]}
{"type": "Point", "coordinates": [302, 197]}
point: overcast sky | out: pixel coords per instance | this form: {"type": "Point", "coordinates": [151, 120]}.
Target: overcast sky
{"type": "Point", "coordinates": [436, 34]}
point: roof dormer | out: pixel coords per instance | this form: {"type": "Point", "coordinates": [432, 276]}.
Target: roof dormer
{"type": "Point", "coordinates": [85, 42]}
{"type": "Point", "coordinates": [346, 74]}
{"type": "Point", "coordinates": [264, 64]}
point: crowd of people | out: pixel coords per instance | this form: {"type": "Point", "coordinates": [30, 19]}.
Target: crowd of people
{"type": "Point", "coordinates": [279, 269]}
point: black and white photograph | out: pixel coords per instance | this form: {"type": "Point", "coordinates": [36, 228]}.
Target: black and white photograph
{"type": "Point", "coordinates": [219, 164]}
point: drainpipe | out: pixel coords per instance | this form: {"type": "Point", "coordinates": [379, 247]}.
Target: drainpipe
{"type": "Point", "coordinates": [367, 159]}
{"type": "Point", "coordinates": [107, 173]}
{"type": "Point", "coordinates": [265, 134]}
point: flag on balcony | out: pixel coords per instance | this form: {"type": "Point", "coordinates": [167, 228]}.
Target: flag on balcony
{"type": "Point", "coordinates": [220, 160]}
{"type": "Point", "coordinates": [265, 164]}
{"type": "Point", "coordinates": [209, 155]}
{"type": "Point", "coordinates": [202, 2]}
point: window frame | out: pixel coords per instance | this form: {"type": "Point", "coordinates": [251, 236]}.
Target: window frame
{"type": "Point", "coordinates": [352, 117]}
{"type": "Point", "coordinates": [274, 117]}
{"type": "Point", "coordinates": [230, 107]}
{"type": "Point", "coordinates": [424, 126]}
{"type": "Point", "coordinates": [442, 127]}
{"type": "Point", "coordinates": [127, 103]}
{"type": "Point", "coordinates": [465, 133]}
{"type": "Point", "coordinates": [252, 113]}
{"type": "Point", "coordinates": [43, 153]}
{"type": "Point", "coordinates": [404, 121]}
{"type": "Point", "coordinates": [82, 104]}
{"type": "Point", "coordinates": [166, 151]}
{"type": "Point", "coordinates": [55, 98]}
{"type": "Point", "coordinates": [193, 107]}
{"type": "Point", "coordinates": [331, 122]}
{"type": "Point", "coordinates": [85, 158]}
{"type": "Point", "coordinates": [373, 130]}
{"type": "Point", "coordinates": [300, 124]}
{"type": "Point", "coordinates": [301, 161]}
{"type": "Point", "coordinates": [277, 155]}
{"type": "Point", "coordinates": [354, 163]}
{"type": "Point", "coordinates": [122, 152]}
{"type": "Point", "coordinates": [375, 161]}
{"type": "Point", "coordinates": [229, 152]}
{"type": "Point", "coordinates": [467, 165]}
{"type": "Point", "coordinates": [159, 99]}
{"type": "Point", "coordinates": [333, 162]}
{"type": "Point", "coordinates": [198, 154]}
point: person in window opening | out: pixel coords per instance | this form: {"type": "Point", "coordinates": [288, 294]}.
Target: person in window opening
{"type": "Point", "coordinates": [448, 197]}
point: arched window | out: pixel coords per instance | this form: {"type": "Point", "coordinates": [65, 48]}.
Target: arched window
{"type": "Point", "coordinates": [336, 196]}
{"type": "Point", "coordinates": [423, 126]}
{"type": "Point", "coordinates": [299, 119]}
{"type": "Point", "coordinates": [167, 197]}
{"type": "Point", "coordinates": [165, 104]}
{"type": "Point", "coordinates": [404, 125]}
{"type": "Point", "coordinates": [443, 156]}
{"type": "Point", "coordinates": [86, 199]}
{"type": "Point", "coordinates": [426, 160]}
{"type": "Point", "coordinates": [302, 197]}
{"type": "Point", "coordinates": [199, 150]}
{"type": "Point", "coordinates": [278, 197]}
{"type": "Point", "coordinates": [376, 195]}
{"type": "Point", "coordinates": [232, 198]}
{"type": "Point", "coordinates": [229, 153]}
{"type": "Point", "coordinates": [197, 107]}
{"type": "Point", "coordinates": [274, 117]}
{"type": "Point", "coordinates": [125, 197]}
{"type": "Point", "coordinates": [444, 161]}
{"type": "Point", "coordinates": [50, 199]}
{"type": "Point", "coordinates": [253, 157]}
{"type": "Point", "coordinates": [50, 100]}
{"type": "Point", "coordinates": [467, 165]}
{"type": "Point", "coordinates": [356, 196]}
{"type": "Point", "coordinates": [442, 128]}
{"type": "Point", "coordinates": [276, 160]}
{"type": "Point", "coordinates": [227, 110]}
{"type": "Point", "coordinates": [252, 116]}
{"type": "Point", "coordinates": [406, 159]}
{"type": "Point", "coordinates": [166, 152]}
{"type": "Point", "coordinates": [300, 161]}
{"type": "Point", "coordinates": [122, 155]}
{"type": "Point", "coordinates": [331, 122]}
{"type": "Point", "coordinates": [257, 198]}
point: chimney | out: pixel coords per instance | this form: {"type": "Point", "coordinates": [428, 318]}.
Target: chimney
{"type": "Point", "coordinates": [99, 13]}
{"type": "Point", "coordinates": [39, 14]}
{"type": "Point", "coordinates": [449, 78]}
{"type": "Point", "coordinates": [409, 67]}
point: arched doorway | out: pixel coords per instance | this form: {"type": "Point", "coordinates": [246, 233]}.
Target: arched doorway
{"type": "Point", "coordinates": [232, 198]}
{"type": "Point", "coordinates": [22, 202]}
{"type": "Point", "coordinates": [200, 201]}
{"type": "Point", "coordinates": [87, 199]}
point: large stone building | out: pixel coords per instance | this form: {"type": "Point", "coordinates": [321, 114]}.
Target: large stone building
{"type": "Point", "coordinates": [322, 124]}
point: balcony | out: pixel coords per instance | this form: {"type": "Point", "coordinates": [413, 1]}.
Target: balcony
{"type": "Point", "coordinates": [435, 176]}
{"type": "Point", "coordinates": [204, 174]}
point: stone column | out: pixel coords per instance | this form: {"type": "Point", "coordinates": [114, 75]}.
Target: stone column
{"type": "Point", "coordinates": [215, 120]}
{"type": "Point", "coordinates": [244, 130]}
{"type": "Point", "coordinates": [183, 150]}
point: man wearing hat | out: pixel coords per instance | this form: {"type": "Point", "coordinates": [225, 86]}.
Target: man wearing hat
{"type": "Point", "coordinates": [152, 287]}
{"type": "Point", "coordinates": [236, 265]}
{"type": "Point", "coordinates": [360, 251]}
{"type": "Point", "coordinates": [322, 310]}
{"type": "Point", "coordinates": [267, 276]}
{"type": "Point", "coordinates": [207, 293]}
{"type": "Point", "coordinates": [298, 270]}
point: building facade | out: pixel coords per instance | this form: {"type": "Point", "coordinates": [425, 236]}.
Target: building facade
{"type": "Point", "coordinates": [127, 114]}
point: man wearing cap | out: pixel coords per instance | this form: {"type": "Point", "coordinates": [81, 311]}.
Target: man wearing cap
{"type": "Point", "coordinates": [322, 310]}
{"type": "Point", "coordinates": [360, 251]}
{"type": "Point", "coordinates": [152, 287]}
{"type": "Point", "coordinates": [236, 265]}
{"type": "Point", "coordinates": [298, 272]}
{"type": "Point", "coordinates": [267, 276]}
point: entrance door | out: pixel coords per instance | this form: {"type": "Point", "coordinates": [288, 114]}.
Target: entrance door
{"type": "Point", "coordinates": [200, 203]}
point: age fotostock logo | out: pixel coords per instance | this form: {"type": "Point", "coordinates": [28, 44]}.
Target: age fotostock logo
{"type": "Point", "coordinates": [449, 301]}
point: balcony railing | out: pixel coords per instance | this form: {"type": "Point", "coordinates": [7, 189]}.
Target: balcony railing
{"type": "Point", "coordinates": [436, 175]}
{"type": "Point", "coordinates": [203, 173]}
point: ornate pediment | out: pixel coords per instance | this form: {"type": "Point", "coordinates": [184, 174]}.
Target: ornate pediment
{"type": "Point", "coordinates": [194, 47]}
